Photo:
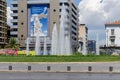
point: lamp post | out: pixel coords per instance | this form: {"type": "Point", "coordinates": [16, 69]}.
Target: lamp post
{"type": "Point", "coordinates": [97, 45]}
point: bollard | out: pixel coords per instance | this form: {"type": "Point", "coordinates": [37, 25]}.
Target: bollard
{"type": "Point", "coordinates": [89, 68]}
{"type": "Point", "coordinates": [10, 67]}
{"type": "Point", "coordinates": [68, 68]}
{"type": "Point", "coordinates": [110, 68]}
{"type": "Point", "coordinates": [29, 68]}
{"type": "Point", "coordinates": [48, 68]}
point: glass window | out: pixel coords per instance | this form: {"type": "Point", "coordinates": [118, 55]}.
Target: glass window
{"type": "Point", "coordinates": [112, 31]}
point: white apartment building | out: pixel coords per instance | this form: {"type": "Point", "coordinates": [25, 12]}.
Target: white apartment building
{"type": "Point", "coordinates": [113, 34]}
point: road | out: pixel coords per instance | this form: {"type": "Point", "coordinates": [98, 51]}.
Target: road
{"type": "Point", "coordinates": [56, 76]}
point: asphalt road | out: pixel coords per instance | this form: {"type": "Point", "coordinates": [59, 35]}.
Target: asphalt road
{"type": "Point", "coordinates": [56, 76]}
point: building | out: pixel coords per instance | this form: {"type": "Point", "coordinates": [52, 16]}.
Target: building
{"type": "Point", "coordinates": [83, 35]}
{"type": "Point", "coordinates": [3, 32]}
{"type": "Point", "coordinates": [25, 11]}
{"type": "Point", "coordinates": [83, 32]}
{"type": "Point", "coordinates": [8, 33]}
{"type": "Point", "coordinates": [91, 46]}
{"type": "Point", "coordinates": [112, 34]}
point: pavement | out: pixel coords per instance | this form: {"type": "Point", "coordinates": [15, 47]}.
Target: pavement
{"type": "Point", "coordinates": [56, 76]}
{"type": "Point", "coordinates": [92, 67]}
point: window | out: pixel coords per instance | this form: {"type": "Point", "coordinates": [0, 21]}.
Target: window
{"type": "Point", "coordinates": [74, 12]}
{"type": "Point", "coordinates": [14, 36]}
{"type": "Point", "coordinates": [112, 31]}
{"type": "Point", "coordinates": [15, 5]}
{"type": "Point", "coordinates": [21, 35]}
{"type": "Point", "coordinates": [15, 17]}
{"type": "Point", "coordinates": [60, 10]}
{"type": "Point", "coordinates": [54, 10]}
{"type": "Point", "coordinates": [15, 23]}
{"type": "Point", "coordinates": [54, 22]}
{"type": "Point", "coordinates": [112, 42]}
{"type": "Point", "coordinates": [67, 4]}
{"type": "Point", "coordinates": [22, 23]}
{"type": "Point", "coordinates": [67, 10]}
{"type": "Point", "coordinates": [14, 29]}
{"type": "Point", "coordinates": [22, 11]}
{"type": "Point", "coordinates": [61, 4]}
{"type": "Point", "coordinates": [15, 11]}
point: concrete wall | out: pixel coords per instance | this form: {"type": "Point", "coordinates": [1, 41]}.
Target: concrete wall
{"type": "Point", "coordinates": [54, 15]}
{"type": "Point", "coordinates": [22, 22]}
{"type": "Point", "coordinates": [99, 67]}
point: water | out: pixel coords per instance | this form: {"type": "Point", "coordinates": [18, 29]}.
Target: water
{"type": "Point", "coordinates": [37, 45]}
{"type": "Point", "coordinates": [84, 52]}
{"type": "Point", "coordinates": [45, 45]}
{"type": "Point", "coordinates": [62, 31]}
{"type": "Point", "coordinates": [67, 45]}
{"type": "Point", "coordinates": [56, 76]}
{"type": "Point", "coordinates": [54, 43]}
{"type": "Point", "coordinates": [64, 38]}
{"type": "Point", "coordinates": [27, 46]}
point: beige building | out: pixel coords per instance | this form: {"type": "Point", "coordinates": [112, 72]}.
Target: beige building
{"type": "Point", "coordinates": [23, 9]}
{"type": "Point", "coordinates": [83, 33]}
{"type": "Point", "coordinates": [3, 28]}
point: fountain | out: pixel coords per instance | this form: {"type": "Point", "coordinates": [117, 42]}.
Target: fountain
{"type": "Point", "coordinates": [60, 42]}
{"type": "Point", "coordinates": [54, 43]}
{"type": "Point", "coordinates": [67, 46]}
{"type": "Point", "coordinates": [45, 45]}
{"type": "Point", "coordinates": [62, 31]}
{"type": "Point", "coordinates": [37, 45]}
{"type": "Point", "coordinates": [67, 40]}
{"type": "Point", "coordinates": [27, 46]}
{"type": "Point", "coordinates": [37, 24]}
{"type": "Point", "coordinates": [84, 51]}
{"type": "Point", "coordinates": [97, 45]}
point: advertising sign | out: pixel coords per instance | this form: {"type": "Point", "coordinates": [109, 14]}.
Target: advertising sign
{"type": "Point", "coordinates": [38, 20]}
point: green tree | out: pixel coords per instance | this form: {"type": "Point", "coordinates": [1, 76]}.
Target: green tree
{"type": "Point", "coordinates": [12, 44]}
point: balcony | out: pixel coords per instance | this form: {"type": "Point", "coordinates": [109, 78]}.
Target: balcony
{"type": "Point", "coordinates": [14, 8]}
{"type": "Point", "coordinates": [14, 2]}
{"type": "Point", "coordinates": [14, 33]}
{"type": "Point", "coordinates": [112, 37]}
{"type": "Point", "coordinates": [14, 26]}
{"type": "Point", "coordinates": [38, 1]}
{"type": "Point", "coordinates": [14, 20]}
{"type": "Point", "coordinates": [14, 14]}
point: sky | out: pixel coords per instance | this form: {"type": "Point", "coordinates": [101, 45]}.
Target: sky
{"type": "Point", "coordinates": [93, 13]}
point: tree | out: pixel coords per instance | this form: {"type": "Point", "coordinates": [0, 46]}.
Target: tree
{"type": "Point", "coordinates": [12, 44]}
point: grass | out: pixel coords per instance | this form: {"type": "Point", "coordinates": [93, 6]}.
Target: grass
{"type": "Point", "coordinates": [73, 58]}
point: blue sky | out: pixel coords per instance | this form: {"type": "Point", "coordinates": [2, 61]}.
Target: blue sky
{"type": "Point", "coordinates": [76, 2]}
{"type": "Point", "coordinates": [8, 2]}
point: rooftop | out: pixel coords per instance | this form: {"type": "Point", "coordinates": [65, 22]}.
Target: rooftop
{"type": "Point", "coordinates": [113, 23]}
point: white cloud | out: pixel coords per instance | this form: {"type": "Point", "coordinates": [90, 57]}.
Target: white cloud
{"type": "Point", "coordinates": [8, 16]}
{"type": "Point", "coordinates": [95, 13]}
{"type": "Point", "coordinates": [45, 32]}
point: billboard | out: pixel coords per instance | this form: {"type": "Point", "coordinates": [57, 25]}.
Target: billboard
{"type": "Point", "coordinates": [38, 20]}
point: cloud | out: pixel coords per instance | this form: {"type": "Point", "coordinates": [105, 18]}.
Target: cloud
{"type": "Point", "coordinates": [9, 16]}
{"type": "Point", "coordinates": [93, 34]}
{"type": "Point", "coordinates": [95, 13]}
{"type": "Point", "coordinates": [45, 32]}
